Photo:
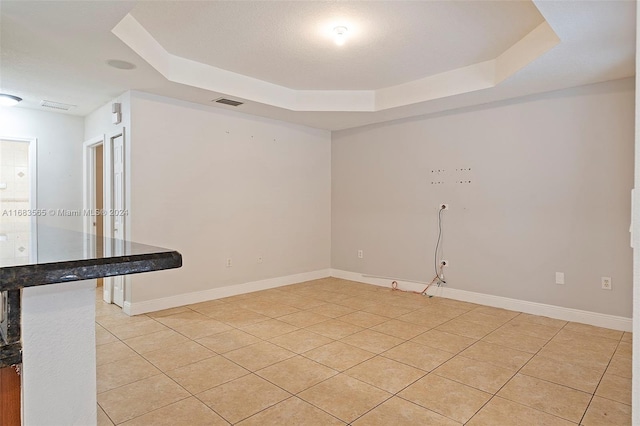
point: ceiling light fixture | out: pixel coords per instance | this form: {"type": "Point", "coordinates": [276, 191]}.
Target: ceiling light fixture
{"type": "Point", "coordinates": [8, 100]}
{"type": "Point", "coordinates": [340, 34]}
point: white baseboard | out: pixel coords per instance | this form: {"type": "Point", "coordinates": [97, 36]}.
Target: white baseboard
{"type": "Point", "coordinates": [137, 308]}
{"type": "Point", "coordinates": [552, 311]}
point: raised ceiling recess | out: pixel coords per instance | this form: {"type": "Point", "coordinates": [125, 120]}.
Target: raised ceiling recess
{"type": "Point", "coordinates": [283, 55]}
{"type": "Point", "coordinates": [400, 58]}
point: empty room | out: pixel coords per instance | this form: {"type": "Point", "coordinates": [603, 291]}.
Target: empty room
{"type": "Point", "coordinates": [318, 213]}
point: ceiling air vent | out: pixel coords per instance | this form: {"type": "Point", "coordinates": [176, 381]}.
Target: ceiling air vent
{"type": "Point", "coordinates": [228, 102]}
{"type": "Point", "coordinates": [57, 105]}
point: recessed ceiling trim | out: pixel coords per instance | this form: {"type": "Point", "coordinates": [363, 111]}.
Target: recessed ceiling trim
{"type": "Point", "coordinates": [475, 77]}
{"type": "Point", "coordinates": [462, 80]}
{"type": "Point", "coordinates": [483, 75]}
{"type": "Point", "coordinates": [530, 47]}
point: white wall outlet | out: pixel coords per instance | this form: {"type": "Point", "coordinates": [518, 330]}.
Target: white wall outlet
{"type": "Point", "coordinates": [559, 277]}
{"type": "Point", "coordinates": [443, 206]}
{"type": "Point", "coordinates": [606, 283]}
{"type": "Point", "coordinates": [360, 254]}
{"type": "Point", "coordinates": [229, 263]}
{"type": "Point", "coordinates": [260, 259]}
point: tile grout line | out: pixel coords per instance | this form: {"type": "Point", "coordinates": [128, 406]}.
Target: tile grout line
{"type": "Point", "coordinates": [495, 394]}
{"type": "Point", "coordinates": [161, 373]}
{"type": "Point", "coordinates": [216, 354]}
{"type": "Point", "coordinates": [253, 372]}
{"type": "Point", "coordinates": [501, 387]}
{"type": "Point", "coordinates": [429, 372]}
{"type": "Point", "coordinates": [337, 371]}
{"type": "Point", "coordinates": [333, 340]}
{"type": "Point", "coordinates": [600, 381]}
{"type": "Point", "coordinates": [299, 328]}
{"type": "Point", "coordinates": [105, 413]}
{"type": "Point", "coordinates": [520, 369]}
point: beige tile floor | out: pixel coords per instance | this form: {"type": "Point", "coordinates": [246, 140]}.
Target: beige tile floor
{"type": "Point", "coordinates": [335, 352]}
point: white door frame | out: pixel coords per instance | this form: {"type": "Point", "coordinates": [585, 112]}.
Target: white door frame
{"type": "Point", "coordinates": [33, 190]}
{"type": "Point", "coordinates": [115, 190]}
{"type": "Point", "coordinates": [88, 189]}
{"type": "Point", "coordinates": [88, 173]}
{"type": "Point", "coordinates": [88, 201]}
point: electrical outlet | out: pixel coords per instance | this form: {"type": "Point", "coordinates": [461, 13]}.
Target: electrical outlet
{"type": "Point", "coordinates": [260, 259]}
{"type": "Point", "coordinates": [559, 277]}
{"type": "Point", "coordinates": [229, 263]}
{"type": "Point", "coordinates": [360, 254]}
{"type": "Point", "coordinates": [443, 206]}
{"type": "Point", "coordinates": [444, 263]}
{"type": "Point", "coordinates": [606, 283]}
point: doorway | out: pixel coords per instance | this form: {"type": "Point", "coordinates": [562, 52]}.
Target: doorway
{"type": "Point", "coordinates": [116, 205]}
{"type": "Point", "coordinates": [98, 193]}
{"type": "Point", "coordinates": [18, 244]}
{"type": "Point", "coordinates": [104, 193]}
{"type": "Point", "coordinates": [18, 194]}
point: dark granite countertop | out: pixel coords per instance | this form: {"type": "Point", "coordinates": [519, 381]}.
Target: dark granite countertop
{"type": "Point", "coordinates": [60, 255]}
{"type": "Point", "coordinates": [56, 255]}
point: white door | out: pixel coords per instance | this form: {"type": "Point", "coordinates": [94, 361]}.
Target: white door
{"type": "Point", "coordinates": [117, 218]}
{"type": "Point", "coordinates": [96, 168]}
{"type": "Point", "coordinates": [114, 203]}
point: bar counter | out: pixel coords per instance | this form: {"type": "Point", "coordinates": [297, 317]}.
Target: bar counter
{"type": "Point", "coordinates": [56, 255]}
{"type": "Point", "coordinates": [47, 315]}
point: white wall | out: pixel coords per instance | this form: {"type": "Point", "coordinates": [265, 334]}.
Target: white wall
{"type": "Point", "coordinates": [59, 159]}
{"type": "Point", "coordinates": [216, 184]}
{"type": "Point", "coordinates": [59, 354]}
{"type": "Point", "coordinates": [99, 124]}
{"type": "Point", "coordinates": [635, 401]}
{"type": "Point", "coordinates": [550, 175]}
{"type": "Point", "coordinates": [58, 385]}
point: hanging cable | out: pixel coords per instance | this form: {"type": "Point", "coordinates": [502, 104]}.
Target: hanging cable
{"type": "Point", "coordinates": [435, 254]}
{"type": "Point", "coordinates": [438, 280]}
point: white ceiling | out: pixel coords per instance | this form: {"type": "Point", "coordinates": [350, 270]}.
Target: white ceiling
{"type": "Point", "coordinates": [290, 44]}
{"type": "Point", "coordinates": [402, 59]}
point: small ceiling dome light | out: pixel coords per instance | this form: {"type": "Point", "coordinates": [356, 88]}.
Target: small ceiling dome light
{"type": "Point", "coordinates": [121, 65]}
{"type": "Point", "coordinates": [340, 35]}
{"type": "Point", "coordinates": [8, 100]}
